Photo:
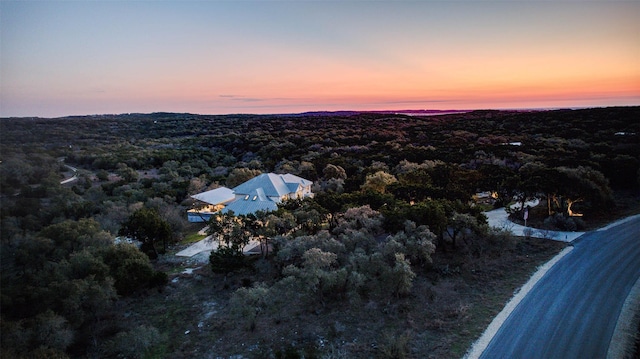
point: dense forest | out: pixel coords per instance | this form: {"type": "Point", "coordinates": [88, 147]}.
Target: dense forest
{"type": "Point", "coordinates": [393, 194]}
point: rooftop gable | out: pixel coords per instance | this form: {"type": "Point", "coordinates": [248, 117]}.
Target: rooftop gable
{"type": "Point", "coordinates": [250, 205]}
{"type": "Point", "coordinates": [273, 185]}
{"type": "Point", "coordinates": [215, 196]}
{"type": "Point", "coordinates": [293, 187]}
{"type": "Point", "coordinates": [289, 178]}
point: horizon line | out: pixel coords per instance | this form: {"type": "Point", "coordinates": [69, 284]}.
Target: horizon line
{"type": "Point", "coordinates": [416, 112]}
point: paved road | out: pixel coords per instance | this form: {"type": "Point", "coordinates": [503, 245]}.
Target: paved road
{"type": "Point", "coordinates": [572, 311]}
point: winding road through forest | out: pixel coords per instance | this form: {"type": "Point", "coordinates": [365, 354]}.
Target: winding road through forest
{"type": "Point", "coordinates": [573, 310]}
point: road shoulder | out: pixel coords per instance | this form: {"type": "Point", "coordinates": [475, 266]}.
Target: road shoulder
{"type": "Point", "coordinates": [481, 344]}
{"type": "Point", "coordinates": [625, 334]}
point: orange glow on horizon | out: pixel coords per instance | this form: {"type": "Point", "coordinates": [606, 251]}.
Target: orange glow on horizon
{"type": "Point", "coordinates": [223, 57]}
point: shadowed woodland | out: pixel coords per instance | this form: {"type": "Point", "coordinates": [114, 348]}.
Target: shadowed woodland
{"type": "Point", "coordinates": [394, 240]}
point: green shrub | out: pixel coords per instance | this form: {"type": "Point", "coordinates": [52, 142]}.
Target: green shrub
{"type": "Point", "coordinates": [395, 346]}
{"type": "Point", "coordinates": [131, 269]}
{"type": "Point", "coordinates": [135, 343]}
{"type": "Point", "coordinates": [226, 260]}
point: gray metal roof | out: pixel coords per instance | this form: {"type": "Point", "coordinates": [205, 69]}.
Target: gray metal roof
{"type": "Point", "coordinates": [256, 194]}
{"type": "Point", "coordinates": [216, 196]}
{"type": "Point", "coordinates": [244, 207]}
{"type": "Point", "coordinates": [289, 178]}
{"type": "Point", "coordinates": [273, 185]}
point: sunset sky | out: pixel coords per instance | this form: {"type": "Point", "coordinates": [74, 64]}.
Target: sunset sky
{"type": "Point", "coordinates": [61, 58]}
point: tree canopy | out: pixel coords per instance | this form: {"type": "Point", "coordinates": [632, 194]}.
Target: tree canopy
{"type": "Point", "coordinates": [390, 191]}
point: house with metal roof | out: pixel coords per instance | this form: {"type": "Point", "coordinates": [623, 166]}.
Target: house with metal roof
{"type": "Point", "coordinates": [261, 193]}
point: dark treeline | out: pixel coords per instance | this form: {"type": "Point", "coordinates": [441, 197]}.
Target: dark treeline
{"type": "Point", "coordinates": [409, 179]}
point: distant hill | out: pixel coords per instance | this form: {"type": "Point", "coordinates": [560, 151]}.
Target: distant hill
{"type": "Point", "coordinates": [383, 112]}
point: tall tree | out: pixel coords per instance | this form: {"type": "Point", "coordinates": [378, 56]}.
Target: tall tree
{"type": "Point", "coordinates": [146, 225]}
{"type": "Point", "coordinates": [241, 175]}
{"type": "Point", "coordinates": [331, 171]}
{"type": "Point", "coordinates": [378, 182]}
{"type": "Point", "coordinates": [584, 184]}
{"type": "Point", "coordinates": [232, 232]}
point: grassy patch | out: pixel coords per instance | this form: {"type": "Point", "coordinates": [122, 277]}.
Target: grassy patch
{"type": "Point", "coordinates": [499, 287]}
{"type": "Point", "coordinates": [193, 238]}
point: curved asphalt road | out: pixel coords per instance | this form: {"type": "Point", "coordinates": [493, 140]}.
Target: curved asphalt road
{"type": "Point", "coordinates": [572, 311]}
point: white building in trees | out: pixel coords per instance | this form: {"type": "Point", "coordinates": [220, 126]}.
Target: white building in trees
{"type": "Point", "coordinates": [261, 193]}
